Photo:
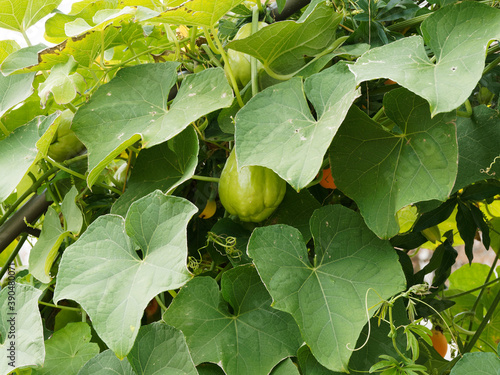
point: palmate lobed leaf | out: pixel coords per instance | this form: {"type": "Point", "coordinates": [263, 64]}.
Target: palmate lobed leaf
{"type": "Point", "coordinates": [329, 299]}
{"type": "Point", "coordinates": [251, 340]}
{"type": "Point", "coordinates": [276, 129]}
{"type": "Point", "coordinates": [385, 171]}
{"type": "Point", "coordinates": [19, 15]}
{"type": "Point", "coordinates": [104, 274]}
{"type": "Point", "coordinates": [133, 106]}
{"type": "Point", "coordinates": [458, 35]}
{"type": "Point", "coordinates": [159, 349]}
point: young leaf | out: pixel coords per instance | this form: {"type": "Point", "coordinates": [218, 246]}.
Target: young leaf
{"type": "Point", "coordinates": [277, 130]}
{"type": "Point", "coordinates": [349, 262]}
{"type": "Point", "coordinates": [63, 82]}
{"type": "Point", "coordinates": [103, 265]}
{"type": "Point", "coordinates": [448, 32]}
{"type": "Point", "coordinates": [236, 340]}
{"type": "Point", "coordinates": [383, 171]}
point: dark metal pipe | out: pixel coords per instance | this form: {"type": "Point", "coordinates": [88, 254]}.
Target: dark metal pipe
{"type": "Point", "coordinates": [16, 224]}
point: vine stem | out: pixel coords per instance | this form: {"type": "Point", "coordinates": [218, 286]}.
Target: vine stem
{"type": "Point", "coordinates": [82, 177]}
{"type": "Point", "coordinates": [491, 65]}
{"type": "Point", "coordinates": [205, 178]}
{"type": "Point", "coordinates": [474, 290]}
{"type": "Point", "coordinates": [476, 302]}
{"type": "Point", "coordinates": [230, 71]}
{"type": "Point", "coordinates": [13, 255]}
{"type": "Point", "coordinates": [25, 36]}
{"type": "Point", "coordinates": [469, 345]}
{"type": "Point", "coordinates": [253, 60]}
{"type": "Point", "coordinates": [172, 36]}
{"type": "Point", "coordinates": [160, 303]}
{"type": "Point", "coordinates": [60, 307]}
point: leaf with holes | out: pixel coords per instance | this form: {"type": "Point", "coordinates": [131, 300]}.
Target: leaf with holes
{"type": "Point", "coordinates": [133, 106]}
{"type": "Point", "coordinates": [448, 32]}
{"type": "Point", "coordinates": [276, 129]}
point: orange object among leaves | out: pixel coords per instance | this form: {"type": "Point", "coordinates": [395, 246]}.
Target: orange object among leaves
{"type": "Point", "coordinates": [439, 342]}
{"type": "Point", "coordinates": [327, 180]}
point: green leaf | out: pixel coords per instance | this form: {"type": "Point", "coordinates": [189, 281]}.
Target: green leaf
{"type": "Point", "coordinates": [238, 340]}
{"type": "Point", "coordinates": [350, 265]}
{"type": "Point", "coordinates": [100, 21]}
{"type": "Point", "coordinates": [43, 254]}
{"type": "Point", "coordinates": [448, 32]}
{"type": "Point", "coordinates": [14, 89]}
{"type": "Point", "coordinates": [282, 46]}
{"type": "Point", "coordinates": [21, 59]}
{"type": "Point", "coordinates": [63, 83]}
{"type": "Point", "coordinates": [385, 171]}
{"type": "Point", "coordinates": [84, 50]}
{"type": "Point", "coordinates": [286, 367]}
{"type": "Point", "coordinates": [103, 265]}
{"type": "Point", "coordinates": [309, 365]}
{"type": "Point", "coordinates": [106, 363]}
{"type": "Point", "coordinates": [134, 106]}
{"type": "Point", "coordinates": [276, 129]}
{"type": "Point", "coordinates": [7, 47]}
{"type": "Point", "coordinates": [470, 277]}
{"type": "Point", "coordinates": [204, 13]}
{"type": "Point", "coordinates": [18, 152]}
{"type": "Point", "coordinates": [161, 349]}
{"type": "Point", "coordinates": [477, 364]}
{"type": "Point", "coordinates": [20, 317]}
{"type": "Point", "coordinates": [162, 167]}
{"type": "Point", "coordinates": [478, 147]}
{"type": "Point", "coordinates": [68, 350]}
{"type": "Point", "coordinates": [209, 369]}
{"type": "Point", "coordinates": [71, 212]}
{"type": "Point", "coordinates": [55, 25]}
{"type": "Point", "coordinates": [19, 15]}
